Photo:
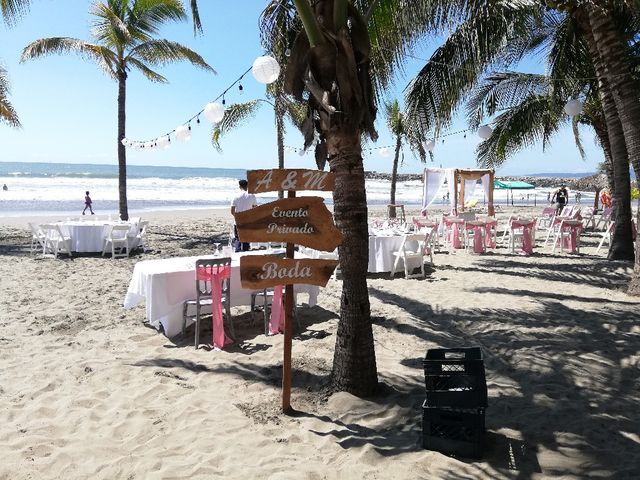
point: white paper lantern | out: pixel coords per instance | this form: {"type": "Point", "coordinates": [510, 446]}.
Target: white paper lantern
{"type": "Point", "coordinates": [125, 141]}
{"type": "Point", "coordinates": [265, 69]}
{"type": "Point", "coordinates": [163, 142]}
{"type": "Point", "coordinates": [214, 112]}
{"type": "Point", "coordinates": [301, 152]}
{"type": "Point", "coordinates": [429, 145]}
{"type": "Point", "coordinates": [573, 108]}
{"type": "Point", "coordinates": [485, 131]}
{"type": "Point", "coordinates": [183, 133]}
{"type": "Point", "coordinates": [384, 152]}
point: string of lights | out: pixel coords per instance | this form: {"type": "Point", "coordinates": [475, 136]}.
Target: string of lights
{"type": "Point", "coordinates": [265, 70]}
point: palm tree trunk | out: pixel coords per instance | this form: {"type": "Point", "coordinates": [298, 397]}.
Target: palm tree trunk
{"type": "Point", "coordinates": [354, 361]}
{"type": "Point", "coordinates": [394, 178]}
{"type": "Point", "coordinates": [122, 152]}
{"type": "Point", "coordinates": [279, 113]}
{"type": "Point", "coordinates": [623, 89]}
{"type": "Point", "coordinates": [600, 128]}
{"type": "Point", "coordinates": [622, 243]}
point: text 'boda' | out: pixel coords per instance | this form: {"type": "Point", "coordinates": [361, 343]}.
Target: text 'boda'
{"type": "Point", "coordinates": [270, 271]}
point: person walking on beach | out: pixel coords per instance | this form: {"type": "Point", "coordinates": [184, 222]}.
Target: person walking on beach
{"type": "Point", "coordinates": [562, 197]}
{"type": "Point", "coordinates": [4, 187]}
{"type": "Point", "coordinates": [87, 203]}
{"type": "Point", "coordinates": [242, 202]}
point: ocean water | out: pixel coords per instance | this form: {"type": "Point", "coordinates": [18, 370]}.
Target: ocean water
{"type": "Point", "coordinates": [58, 189]}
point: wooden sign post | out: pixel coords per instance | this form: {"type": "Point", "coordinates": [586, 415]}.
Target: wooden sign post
{"type": "Point", "coordinates": [303, 220]}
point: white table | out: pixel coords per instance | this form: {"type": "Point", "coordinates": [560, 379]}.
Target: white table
{"type": "Point", "coordinates": [381, 250]}
{"type": "Point", "coordinates": [165, 284]}
{"type": "Point", "coordinates": [88, 236]}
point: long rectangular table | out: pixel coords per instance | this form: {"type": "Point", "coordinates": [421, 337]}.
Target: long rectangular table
{"type": "Point", "coordinates": [165, 284]}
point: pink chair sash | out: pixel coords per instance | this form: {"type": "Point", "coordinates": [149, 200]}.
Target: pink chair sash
{"type": "Point", "coordinates": [527, 246]}
{"type": "Point", "coordinates": [276, 321]}
{"type": "Point", "coordinates": [219, 273]}
{"type": "Point", "coordinates": [454, 231]}
{"type": "Point", "coordinates": [572, 240]}
{"type": "Point", "coordinates": [478, 244]}
{"type": "Point", "coordinates": [488, 237]}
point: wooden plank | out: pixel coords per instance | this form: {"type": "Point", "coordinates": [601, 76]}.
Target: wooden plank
{"type": "Point", "coordinates": [292, 179]}
{"type": "Point", "coordinates": [264, 271]}
{"type": "Point", "coordinates": [303, 220]}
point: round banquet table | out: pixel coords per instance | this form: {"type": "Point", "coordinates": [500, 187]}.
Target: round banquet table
{"type": "Point", "coordinates": [87, 236]}
{"type": "Point", "coordinates": [381, 250]}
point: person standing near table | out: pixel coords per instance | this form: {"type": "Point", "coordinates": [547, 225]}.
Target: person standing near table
{"type": "Point", "coordinates": [241, 203]}
{"type": "Point", "coordinates": [562, 197]}
{"type": "Point", "coordinates": [87, 203]}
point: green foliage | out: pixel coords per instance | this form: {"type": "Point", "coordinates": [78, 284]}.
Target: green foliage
{"type": "Point", "coordinates": [8, 114]}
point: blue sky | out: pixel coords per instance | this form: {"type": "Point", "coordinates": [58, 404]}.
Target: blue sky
{"type": "Point", "coordinates": [67, 106]}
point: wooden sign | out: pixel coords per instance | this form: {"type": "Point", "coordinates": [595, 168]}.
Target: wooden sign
{"type": "Point", "coordinates": [264, 271]}
{"type": "Point", "coordinates": [290, 179]}
{"type": "Point", "coordinates": [302, 220]}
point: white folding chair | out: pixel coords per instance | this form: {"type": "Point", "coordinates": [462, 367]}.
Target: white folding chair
{"type": "Point", "coordinates": [137, 234]}
{"type": "Point", "coordinates": [37, 238]}
{"type": "Point", "coordinates": [606, 236]}
{"type": "Point", "coordinates": [55, 241]}
{"type": "Point", "coordinates": [412, 248]}
{"type": "Point", "coordinates": [118, 241]}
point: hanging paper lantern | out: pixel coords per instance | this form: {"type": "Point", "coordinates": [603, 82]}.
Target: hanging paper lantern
{"type": "Point", "coordinates": [301, 152]}
{"type": "Point", "coordinates": [125, 141]}
{"type": "Point", "coordinates": [573, 107]}
{"type": "Point", "coordinates": [214, 112]}
{"type": "Point", "coordinates": [384, 152]}
{"type": "Point", "coordinates": [183, 133]}
{"type": "Point", "coordinates": [163, 142]}
{"type": "Point", "coordinates": [485, 131]}
{"type": "Point", "coordinates": [429, 145]}
{"type": "Point", "coordinates": [265, 69]}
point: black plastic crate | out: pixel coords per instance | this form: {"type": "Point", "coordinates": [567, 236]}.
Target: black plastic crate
{"type": "Point", "coordinates": [461, 391]}
{"type": "Point", "coordinates": [458, 432]}
{"type": "Point", "coordinates": [454, 361]}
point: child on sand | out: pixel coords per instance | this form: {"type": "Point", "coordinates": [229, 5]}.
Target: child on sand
{"type": "Point", "coordinates": [87, 203]}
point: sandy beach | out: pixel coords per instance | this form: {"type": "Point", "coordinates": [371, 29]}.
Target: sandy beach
{"type": "Point", "coordinates": [88, 391]}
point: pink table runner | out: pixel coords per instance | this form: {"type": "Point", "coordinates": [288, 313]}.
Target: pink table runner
{"type": "Point", "coordinates": [276, 321]}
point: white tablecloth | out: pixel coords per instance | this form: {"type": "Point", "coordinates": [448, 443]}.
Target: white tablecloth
{"type": "Point", "coordinates": [88, 236]}
{"type": "Point", "coordinates": [165, 284]}
{"type": "Point", "coordinates": [381, 250]}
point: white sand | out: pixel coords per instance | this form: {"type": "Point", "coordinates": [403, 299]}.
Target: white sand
{"type": "Point", "coordinates": [87, 391]}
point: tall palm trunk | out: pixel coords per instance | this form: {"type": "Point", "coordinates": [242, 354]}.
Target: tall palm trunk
{"type": "Point", "coordinates": [623, 89]}
{"type": "Point", "coordinates": [122, 152]}
{"type": "Point", "coordinates": [394, 177]}
{"type": "Point", "coordinates": [279, 113]}
{"type": "Point", "coordinates": [600, 128]}
{"type": "Point", "coordinates": [622, 243]}
{"type": "Point", "coordinates": [354, 365]}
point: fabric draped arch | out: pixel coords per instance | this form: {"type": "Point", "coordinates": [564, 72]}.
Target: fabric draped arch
{"type": "Point", "coordinates": [462, 185]}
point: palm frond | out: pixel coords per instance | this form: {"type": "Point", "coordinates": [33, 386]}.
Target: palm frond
{"type": "Point", "coordinates": [519, 127]}
{"type": "Point", "coordinates": [296, 112]}
{"type": "Point", "coordinates": [234, 116]}
{"type": "Point", "coordinates": [393, 116]}
{"type": "Point", "coordinates": [108, 26]}
{"type": "Point", "coordinates": [160, 52]}
{"type": "Point", "coordinates": [146, 71]}
{"type": "Point", "coordinates": [13, 10]}
{"type": "Point", "coordinates": [8, 114]}
{"type": "Point", "coordinates": [195, 15]}
{"type": "Point", "coordinates": [576, 137]}
{"type": "Point", "coordinates": [500, 91]}
{"type": "Point", "coordinates": [104, 57]}
{"type": "Point", "coordinates": [436, 92]}
{"type": "Point", "coordinates": [146, 17]}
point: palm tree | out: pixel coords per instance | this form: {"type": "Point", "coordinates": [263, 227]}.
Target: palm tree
{"type": "Point", "coordinates": [124, 32]}
{"type": "Point", "coordinates": [403, 131]}
{"type": "Point", "coordinates": [12, 10]}
{"type": "Point", "coordinates": [7, 112]}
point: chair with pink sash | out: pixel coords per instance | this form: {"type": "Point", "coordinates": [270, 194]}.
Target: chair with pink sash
{"type": "Point", "coordinates": [568, 236]}
{"type": "Point", "coordinates": [213, 289]}
{"type": "Point", "coordinates": [490, 231]}
{"type": "Point", "coordinates": [452, 231]}
{"type": "Point", "coordinates": [474, 236]}
{"type": "Point", "coordinates": [522, 235]}
{"type": "Point", "coordinates": [423, 224]}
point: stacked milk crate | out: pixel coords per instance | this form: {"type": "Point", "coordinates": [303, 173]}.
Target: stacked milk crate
{"type": "Point", "coordinates": [453, 412]}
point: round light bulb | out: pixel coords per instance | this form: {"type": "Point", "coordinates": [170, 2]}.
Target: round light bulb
{"type": "Point", "coordinates": [573, 108]}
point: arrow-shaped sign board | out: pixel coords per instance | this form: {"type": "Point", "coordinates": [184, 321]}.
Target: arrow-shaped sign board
{"type": "Point", "coordinates": [302, 220]}
{"type": "Point", "coordinates": [291, 179]}
{"type": "Point", "coordinates": [264, 271]}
